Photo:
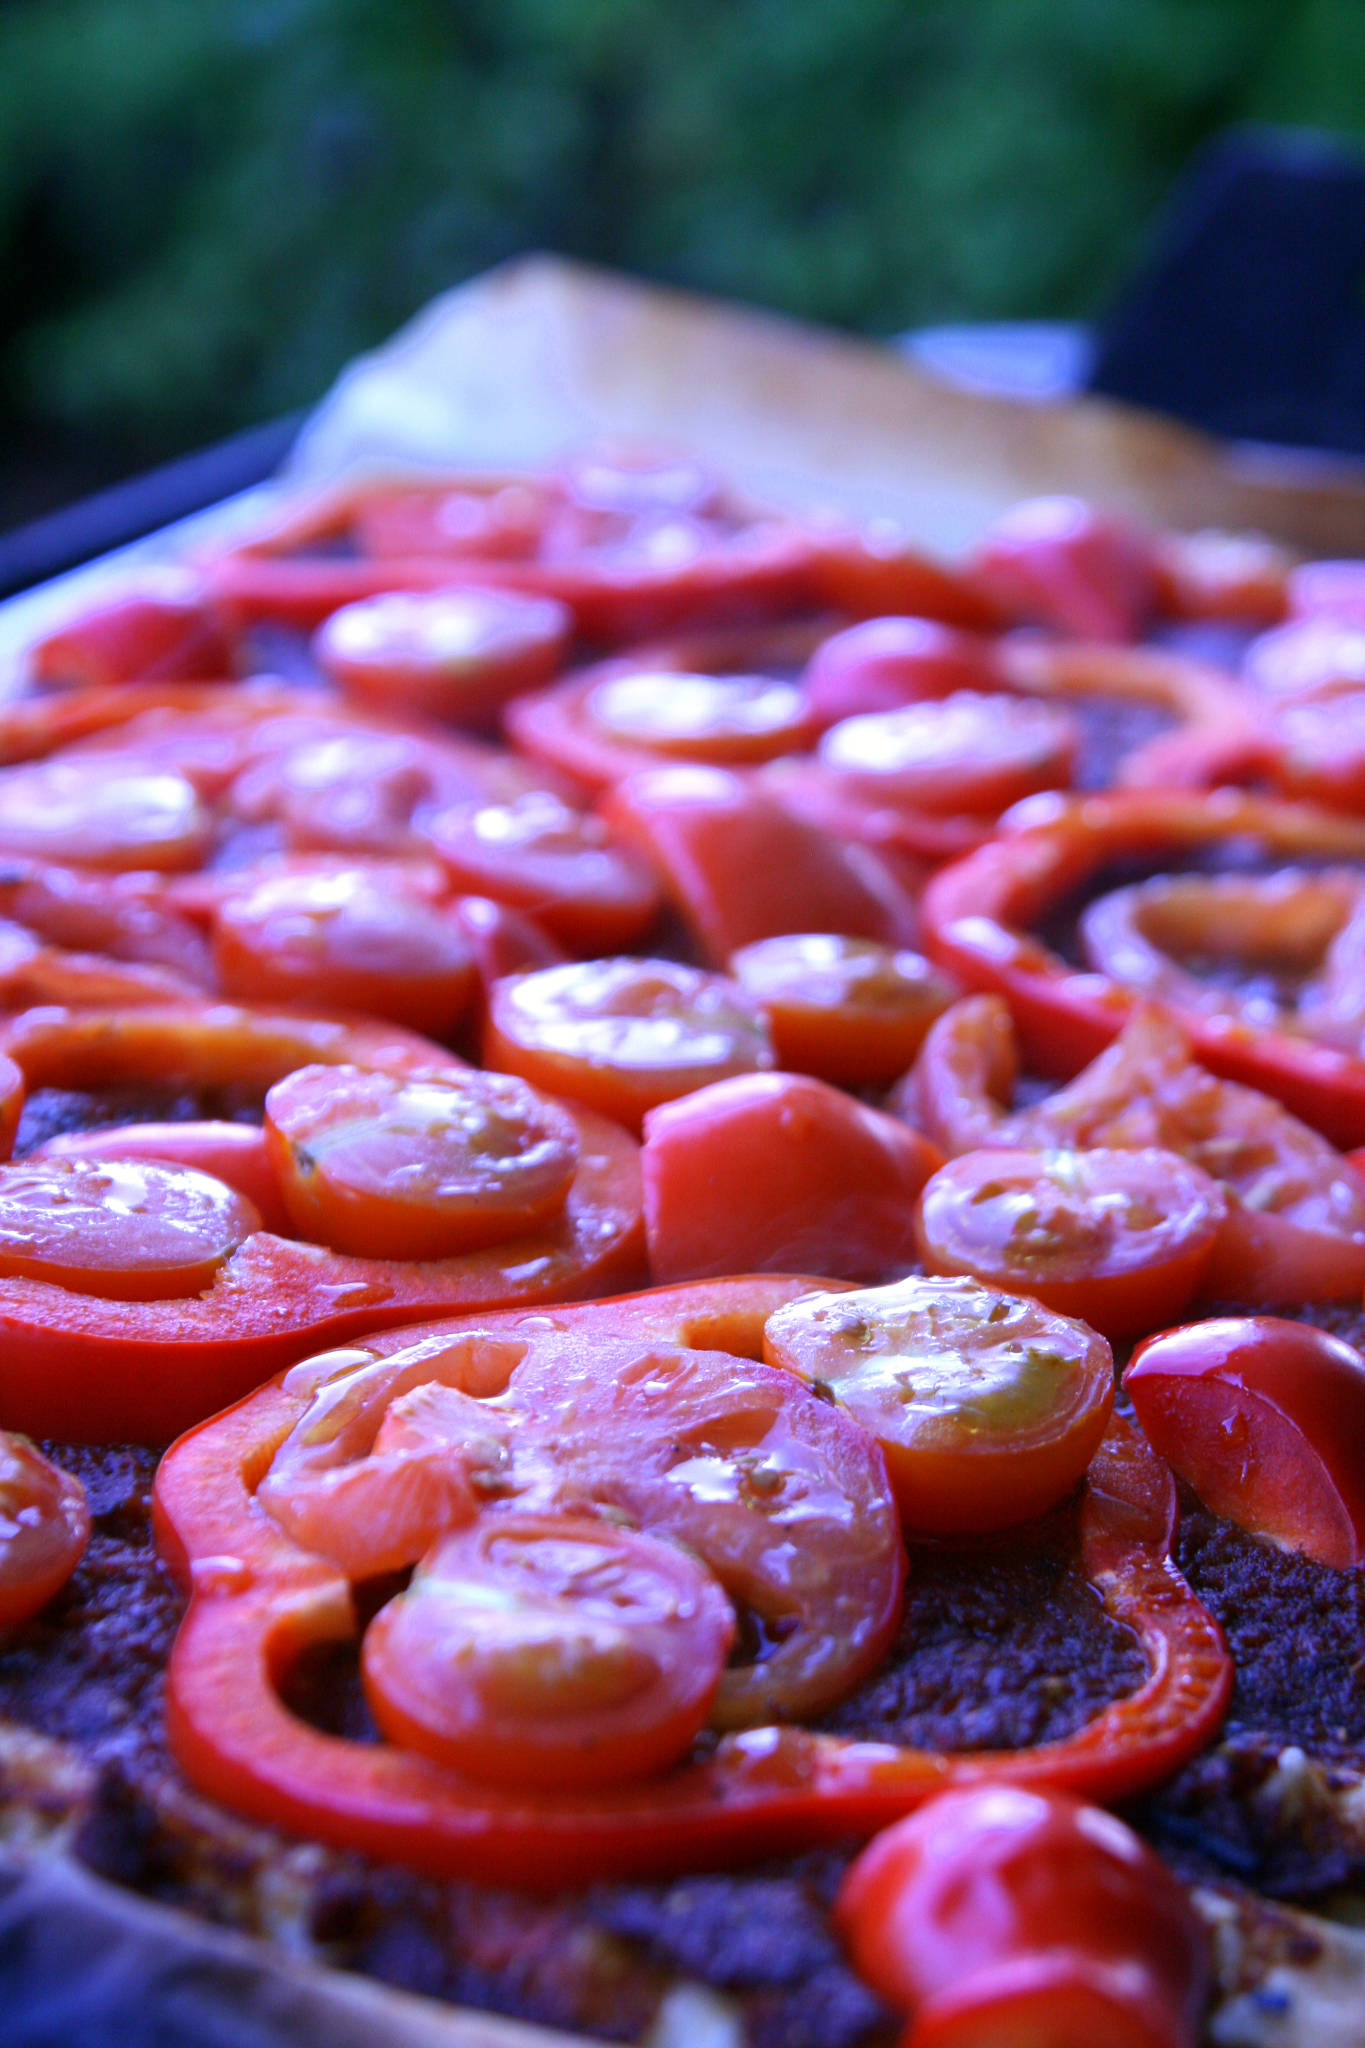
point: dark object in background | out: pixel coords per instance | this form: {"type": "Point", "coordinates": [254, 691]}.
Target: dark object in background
{"type": "Point", "coordinates": [1249, 317]}
{"type": "Point", "coordinates": [110, 519]}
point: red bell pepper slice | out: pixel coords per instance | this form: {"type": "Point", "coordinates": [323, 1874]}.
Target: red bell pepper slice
{"type": "Point", "coordinates": [259, 1601]}
{"type": "Point", "coordinates": [979, 916]}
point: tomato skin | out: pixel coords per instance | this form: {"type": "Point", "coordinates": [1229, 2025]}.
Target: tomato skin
{"type": "Point", "coordinates": [977, 915]}
{"type": "Point", "coordinates": [122, 1229]}
{"type": "Point", "coordinates": [137, 638]}
{"type": "Point", "coordinates": [769, 1171]}
{"type": "Point", "coordinates": [623, 1036]}
{"type": "Point", "coordinates": [988, 1408]}
{"type": "Point", "coordinates": [12, 1092]}
{"type": "Point", "coordinates": [740, 867]}
{"type": "Point", "coordinates": [454, 655]}
{"type": "Point", "coordinates": [598, 1662]}
{"type": "Point", "coordinates": [1266, 1420]}
{"type": "Point", "coordinates": [1121, 1239]}
{"type": "Point", "coordinates": [1333, 590]}
{"type": "Point", "coordinates": [1003, 1918]}
{"type": "Point", "coordinates": [44, 1528]}
{"type": "Point", "coordinates": [89, 814]}
{"type": "Point", "coordinates": [1240, 577]}
{"type": "Point", "coordinates": [233, 1153]}
{"type": "Point", "coordinates": [886, 662]}
{"type": "Point", "coordinates": [1060, 562]}
{"type": "Point", "coordinates": [867, 574]}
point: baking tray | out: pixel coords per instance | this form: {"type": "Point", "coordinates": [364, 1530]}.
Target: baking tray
{"type": "Point", "coordinates": [515, 369]}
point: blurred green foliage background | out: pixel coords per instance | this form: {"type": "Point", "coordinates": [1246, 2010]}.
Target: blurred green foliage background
{"type": "Point", "coordinates": [206, 206]}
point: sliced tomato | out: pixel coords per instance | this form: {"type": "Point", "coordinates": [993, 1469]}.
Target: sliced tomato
{"type": "Point", "coordinates": [44, 1528]}
{"type": "Point", "coordinates": [740, 867]}
{"type": "Point", "coordinates": [1332, 590]}
{"type": "Point", "coordinates": [770, 1171]}
{"type": "Point", "coordinates": [847, 1010]}
{"type": "Point", "coordinates": [233, 1153]}
{"type": "Point", "coordinates": [455, 655]}
{"type": "Point", "coordinates": [343, 937]}
{"type": "Point", "coordinates": [538, 854]}
{"type": "Point", "coordinates": [12, 1092]}
{"type": "Point", "coordinates": [874, 570]}
{"type": "Point", "coordinates": [968, 752]}
{"type": "Point", "coordinates": [624, 1035]}
{"type": "Point", "coordinates": [124, 1229]}
{"type": "Point", "coordinates": [503, 941]}
{"type": "Point", "coordinates": [550, 1650]}
{"type": "Point", "coordinates": [1061, 562]}
{"type": "Point", "coordinates": [1239, 577]}
{"type": "Point", "coordinates": [1266, 1420]}
{"type": "Point", "coordinates": [417, 1166]}
{"type": "Point", "coordinates": [887, 662]}
{"type": "Point", "coordinates": [1005, 1918]}
{"type": "Point", "coordinates": [1120, 1238]}
{"type": "Point", "coordinates": [93, 814]}
{"type": "Point", "coordinates": [1307, 657]}
{"type": "Point", "coordinates": [988, 1407]}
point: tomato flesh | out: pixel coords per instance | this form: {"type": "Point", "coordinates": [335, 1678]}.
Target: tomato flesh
{"type": "Point", "coordinates": [884, 663]}
{"type": "Point", "coordinates": [731, 718]}
{"type": "Point", "coordinates": [1121, 1238]}
{"type": "Point", "coordinates": [91, 815]}
{"type": "Point", "coordinates": [233, 1153]}
{"type": "Point", "coordinates": [417, 1166]}
{"type": "Point", "coordinates": [965, 752]}
{"type": "Point", "coordinates": [126, 1229]}
{"type": "Point", "coordinates": [1266, 1420]}
{"type": "Point", "coordinates": [1061, 562]}
{"type": "Point", "coordinates": [987, 1407]}
{"type": "Point", "coordinates": [554, 1650]}
{"type": "Point", "coordinates": [44, 1528]}
{"type": "Point", "coordinates": [1006, 1918]}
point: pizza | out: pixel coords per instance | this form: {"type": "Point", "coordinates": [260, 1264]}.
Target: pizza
{"type": "Point", "coordinates": [680, 1195]}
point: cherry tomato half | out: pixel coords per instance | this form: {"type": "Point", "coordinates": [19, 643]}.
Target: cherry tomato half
{"type": "Point", "coordinates": [884, 663]}
{"type": "Point", "coordinates": [556, 1650]}
{"type": "Point", "coordinates": [988, 1407]}
{"type": "Point", "coordinates": [126, 1229]}
{"type": "Point", "coordinates": [1009, 1918]}
{"type": "Point", "coordinates": [98, 815]}
{"type": "Point", "coordinates": [965, 753]}
{"type": "Point", "coordinates": [455, 655]}
{"type": "Point", "coordinates": [1061, 562]}
{"type": "Point", "coordinates": [1120, 1238]}
{"type": "Point", "coordinates": [44, 1528]}
{"type": "Point", "coordinates": [622, 1036]}
{"type": "Point", "coordinates": [1266, 1420]}
{"type": "Point", "coordinates": [847, 1010]}
{"type": "Point", "coordinates": [233, 1153]}
{"type": "Point", "coordinates": [419, 1166]}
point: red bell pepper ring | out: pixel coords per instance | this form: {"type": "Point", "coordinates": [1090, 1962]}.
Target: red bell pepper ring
{"type": "Point", "coordinates": [259, 1601]}
{"type": "Point", "coordinates": [91, 1370]}
{"type": "Point", "coordinates": [740, 867]}
{"type": "Point", "coordinates": [979, 916]}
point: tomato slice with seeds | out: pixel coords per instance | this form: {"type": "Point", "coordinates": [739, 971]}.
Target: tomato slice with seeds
{"type": "Point", "coordinates": [1120, 1238]}
{"type": "Point", "coordinates": [988, 1407]}
{"type": "Point", "coordinates": [623, 1036]}
{"type": "Point", "coordinates": [1060, 562]}
{"type": "Point", "coordinates": [420, 1166]}
{"type": "Point", "coordinates": [100, 814]}
{"type": "Point", "coordinates": [44, 1528]}
{"type": "Point", "coordinates": [126, 1229]}
{"type": "Point", "coordinates": [454, 655]}
{"type": "Point", "coordinates": [847, 1010]}
{"type": "Point", "coordinates": [968, 752]}
{"type": "Point", "coordinates": [345, 937]}
{"type": "Point", "coordinates": [234, 1153]}
{"type": "Point", "coordinates": [554, 1650]}
{"type": "Point", "coordinates": [536, 853]}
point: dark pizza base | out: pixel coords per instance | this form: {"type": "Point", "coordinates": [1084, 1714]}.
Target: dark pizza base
{"type": "Point", "coordinates": [1003, 1643]}
{"type": "Point", "coordinates": [57, 1112]}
